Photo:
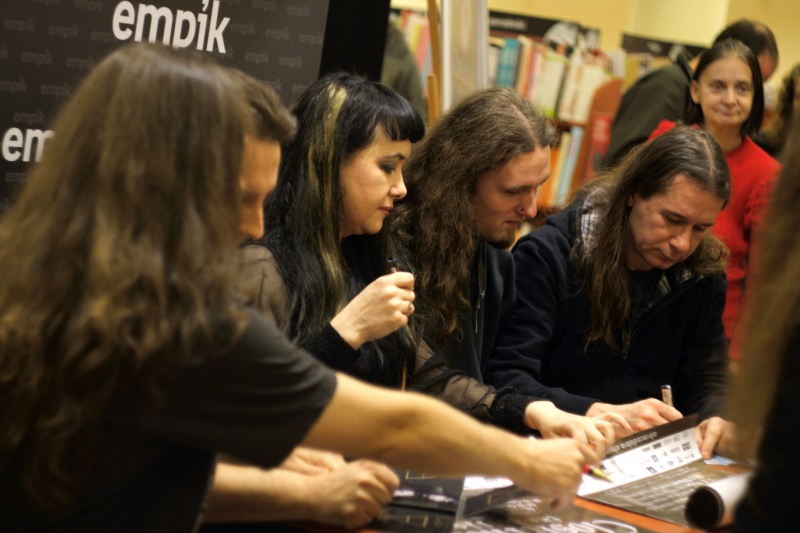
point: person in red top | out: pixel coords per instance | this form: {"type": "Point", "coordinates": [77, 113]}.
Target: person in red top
{"type": "Point", "coordinates": [728, 102]}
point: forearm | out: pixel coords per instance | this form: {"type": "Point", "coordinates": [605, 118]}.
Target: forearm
{"type": "Point", "coordinates": [524, 382]}
{"type": "Point", "coordinates": [405, 429]}
{"type": "Point", "coordinates": [243, 493]}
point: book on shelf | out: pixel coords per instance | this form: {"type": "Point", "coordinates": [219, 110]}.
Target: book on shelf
{"type": "Point", "coordinates": [567, 177]}
{"type": "Point", "coordinates": [493, 58]}
{"type": "Point", "coordinates": [525, 58]}
{"type": "Point", "coordinates": [548, 193]}
{"type": "Point", "coordinates": [593, 75]}
{"type": "Point", "coordinates": [587, 71]}
{"type": "Point", "coordinates": [617, 61]}
{"type": "Point", "coordinates": [507, 62]}
{"type": "Point", "coordinates": [572, 83]}
{"type": "Point", "coordinates": [538, 54]}
{"type": "Point", "coordinates": [549, 88]}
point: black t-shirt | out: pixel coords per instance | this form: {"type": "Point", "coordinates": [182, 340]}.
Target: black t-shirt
{"type": "Point", "coordinates": [151, 467]}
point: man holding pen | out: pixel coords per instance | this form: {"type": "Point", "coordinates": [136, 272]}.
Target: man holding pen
{"type": "Point", "coordinates": [623, 292]}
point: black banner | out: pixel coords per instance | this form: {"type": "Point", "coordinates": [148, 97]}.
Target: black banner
{"type": "Point", "coordinates": [48, 46]}
{"type": "Point", "coordinates": [671, 49]}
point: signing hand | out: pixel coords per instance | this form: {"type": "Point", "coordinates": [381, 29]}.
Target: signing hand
{"type": "Point", "coordinates": [381, 308]}
{"type": "Point", "coordinates": [554, 467]}
{"type": "Point", "coordinates": [640, 415]}
{"type": "Point", "coordinates": [352, 495]}
{"type": "Point", "coordinates": [553, 422]}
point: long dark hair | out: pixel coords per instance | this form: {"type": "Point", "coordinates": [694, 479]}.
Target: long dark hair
{"type": "Point", "coordinates": [338, 116]}
{"type": "Point", "coordinates": [436, 221]}
{"type": "Point", "coordinates": [116, 258]}
{"type": "Point", "coordinates": [773, 318]}
{"type": "Point", "coordinates": [648, 170]}
{"type": "Point", "coordinates": [722, 50]}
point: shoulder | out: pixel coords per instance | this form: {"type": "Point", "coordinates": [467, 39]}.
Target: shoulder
{"type": "Point", "coordinates": [260, 281]}
{"type": "Point", "coordinates": [256, 258]}
{"type": "Point", "coordinates": [256, 266]}
{"type": "Point", "coordinates": [659, 75]}
{"type": "Point", "coordinates": [760, 156]}
{"type": "Point", "coordinates": [711, 283]}
{"type": "Point", "coordinates": [749, 163]}
{"type": "Point", "coordinates": [554, 238]}
{"type": "Point", "coordinates": [667, 78]}
{"type": "Point", "coordinates": [663, 127]}
{"type": "Point", "coordinates": [717, 282]}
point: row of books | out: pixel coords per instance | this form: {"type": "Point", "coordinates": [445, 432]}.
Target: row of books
{"type": "Point", "coordinates": [562, 85]}
{"type": "Point", "coordinates": [560, 80]}
{"type": "Point", "coordinates": [563, 169]}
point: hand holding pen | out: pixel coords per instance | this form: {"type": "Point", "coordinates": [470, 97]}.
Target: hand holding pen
{"type": "Point", "coordinates": [381, 308]}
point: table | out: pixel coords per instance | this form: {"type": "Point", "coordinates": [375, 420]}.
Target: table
{"type": "Point", "coordinates": [635, 519]}
{"type": "Point", "coordinates": [640, 520]}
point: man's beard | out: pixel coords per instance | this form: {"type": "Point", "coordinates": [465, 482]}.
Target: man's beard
{"type": "Point", "coordinates": [504, 243]}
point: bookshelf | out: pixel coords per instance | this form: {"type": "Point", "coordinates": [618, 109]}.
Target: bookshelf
{"type": "Point", "coordinates": [557, 65]}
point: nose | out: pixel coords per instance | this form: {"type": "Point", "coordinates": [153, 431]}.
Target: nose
{"type": "Point", "coordinates": [682, 240]}
{"type": "Point", "coordinates": [527, 206]}
{"type": "Point", "coordinates": [729, 95]}
{"type": "Point", "coordinates": [398, 188]}
{"type": "Point", "coordinates": [252, 222]}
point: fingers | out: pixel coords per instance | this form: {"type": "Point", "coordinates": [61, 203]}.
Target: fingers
{"type": "Point", "coordinates": [384, 474]}
{"type": "Point", "coordinates": [601, 436]}
{"type": "Point", "coordinates": [708, 434]}
{"type": "Point", "coordinates": [404, 280]}
{"type": "Point", "coordinates": [669, 413]}
{"type": "Point", "coordinates": [403, 298]}
{"type": "Point", "coordinates": [362, 488]}
{"type": "Point", "coordinates": [381, 481]}
{"type": "Point", "coordinates": [616, 420]}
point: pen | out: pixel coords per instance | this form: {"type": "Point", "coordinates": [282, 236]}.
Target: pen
{"type": "Point", "coordinates": [596, 472]}
{"type": "Point", "coordinates": [666, 395]}
{"type": "Point", "coordinates": [392, 264]}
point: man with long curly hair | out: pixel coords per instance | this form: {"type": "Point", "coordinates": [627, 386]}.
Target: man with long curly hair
{"type": "Point", "coordinates": [471, 182]}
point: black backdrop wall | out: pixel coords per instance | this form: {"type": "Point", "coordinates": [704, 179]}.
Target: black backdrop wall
{"type": "Point", "coordinates": [48, 46]}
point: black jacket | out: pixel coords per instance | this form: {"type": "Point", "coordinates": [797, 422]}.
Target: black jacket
{"type": "Point", "coordinates": [492, 297]}
{"type": "Point", "coordinates": [539, 350]}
